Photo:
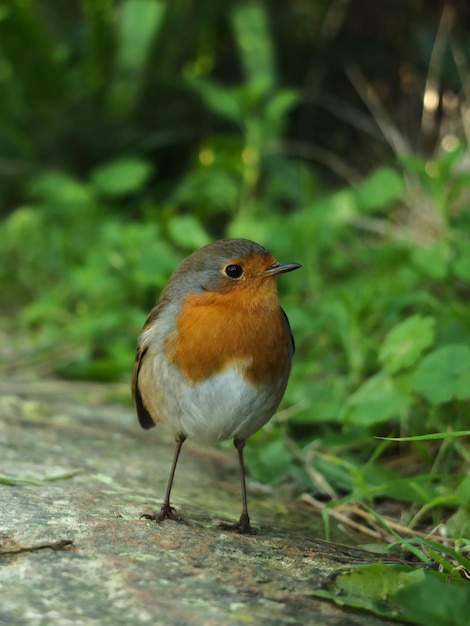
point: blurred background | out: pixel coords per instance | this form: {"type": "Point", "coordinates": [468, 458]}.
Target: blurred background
{"type": "Point", "coordinates": [334, 132]}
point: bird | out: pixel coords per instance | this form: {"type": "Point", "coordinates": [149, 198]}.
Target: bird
{"type": "Point", "coordinates": [214, 355]}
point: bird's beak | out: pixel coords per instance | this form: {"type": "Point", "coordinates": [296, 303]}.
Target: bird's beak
{"type": "Point", "coordinates": [281, 268]}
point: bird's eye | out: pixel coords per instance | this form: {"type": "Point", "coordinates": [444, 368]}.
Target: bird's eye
{"type": "Point", "coordinates": [234, 271]}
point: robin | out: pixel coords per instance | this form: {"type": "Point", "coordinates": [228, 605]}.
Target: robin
{"type": "Point", "coordinates": [215, 353]}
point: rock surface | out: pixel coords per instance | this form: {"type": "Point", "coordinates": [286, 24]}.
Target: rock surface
{"type": "Point", "coordinates": [76, 473]}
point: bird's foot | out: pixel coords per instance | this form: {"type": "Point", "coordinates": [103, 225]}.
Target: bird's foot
{"type": "Point", "coordinates": [166, 512]}
{"type": "Point", "coordinates": [243, 526]}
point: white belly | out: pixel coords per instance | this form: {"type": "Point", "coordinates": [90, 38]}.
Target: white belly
{"type": "Point", "coordinates": [224, 407]}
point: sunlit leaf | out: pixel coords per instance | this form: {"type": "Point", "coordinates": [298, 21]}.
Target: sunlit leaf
{"type": "Point", "coordinates": [139, 22]}
{"type": "Point", "coordinates": [462, 264]}
{"type": "Point", "coordinates": [431, 261]}
{"type": "Point", "coordinates": [463, 490]}
{"type": "Point", "coordinates": [444, 374]}
{"type": "Point", "coordinates": [254, 41]}
{"type": "Point", "coordinates": [408, 594]}
{"type": "Point", "coordinates": [213, 187]}
{"type": "Point", "coordinates": [281, 103]}
{"type": "Point", "coordinates": [121, 177]}
{"type": "Point", "coordinates": [405, 343]}
{"type": "Point", "coordinates": [186, 231]}
{"type": "Point", "coordinates": [370, 587]}
{"type": "Point", "coordinates": [380, 189]}
{"type": "Point", "coordinates": [221, 100]}
{"type": "Point", "coordinates": [434, 599]}
{"type": "Point", "coordinates": [269, 457]}
{"type": "Point", "coordinates": [458, 524]}
{"type": "Point", "coordinates": [376, 401]}
{"type": "Point", "coordinates": [59, 188]}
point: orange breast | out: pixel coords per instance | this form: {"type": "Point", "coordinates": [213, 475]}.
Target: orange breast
{"type": "Point", "coordinates": [216, 329]}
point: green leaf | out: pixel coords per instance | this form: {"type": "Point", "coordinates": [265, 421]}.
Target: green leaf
{"type": "Point", "coordinates": [252, 34]}
{"type": "Point", "coordinates": [376, 401]}
{"type": "Point", "coordinates": [121, 177]}
{"type": "Point", "coordinates": [280, 104]}
{"type": "Point", "coordinates": [37, 78]}
{"type": "Point", "coordinates": [444, 375]}
{"type": "Point", "coordinates": [269, 457]}
{"type": "Point", "coordinates": [187, 232]}
{"type": "Point", "coordinates": [256, 229]}
{"type": "Point", "coordinates": [139, 22]}
{"type": "Point", "coordinates": [434, 599]}
{"type": "Point", "coordinates": [338, 208]}
{"type": "Point", "coordinates": [463, 490]}
{"type": "Point", "coordinates": [408, 594]}
{"type": "Point", "coordinates": [98, 45]}
{"type": "Point", "coordinates": [380, 581]}
{"type": "Point", "coordinates": [461, 265]}
{"type": "Point", "coordinates": [413, 163]}
{"type": "Point", "coordinates": [430, 436]}
{"type": "Point", "coordinates": [458, 524]}
{"type": "Point", "coordinates": [404, 344]}
{"type": "Point", "coordinates": [315, 403]}
{"type": "Point", "coordinates": [381, 188]}
{"type": "Point", "coordinates": [224, 101]}
{"type": "Point", "coordinates": [212, 187]}
{"type": "Point", "coordinates": [58, 189]}
{"type": "Point", "coordinates": [431, 261]}
{"type": "Point", "coordinates": [370, 587]}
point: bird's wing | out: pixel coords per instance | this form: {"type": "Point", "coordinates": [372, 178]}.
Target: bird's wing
{"type": "Point", "coordinates": [289, 331]}
{"type": "Point", "coordinates": [145, 419]}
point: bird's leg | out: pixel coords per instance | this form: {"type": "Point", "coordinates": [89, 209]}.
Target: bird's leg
{"type": "Point", "coordinates": [243, 525]}
{"type": "Point", "coordinates": [167, 511]}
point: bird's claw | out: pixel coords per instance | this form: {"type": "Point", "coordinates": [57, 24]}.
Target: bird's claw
{"type": "Point", "coordinates": [166, 512]}
{"type": "Point", "coordinates": [242, 527]}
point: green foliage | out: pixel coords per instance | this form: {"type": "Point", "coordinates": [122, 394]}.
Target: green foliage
{"type": "Point", "coordinates": [444, 375]}
{"type": "Point", "coordinates": [122, 177]}
{"type": "Point", "coordinates": [401, 593]}
{"type": "Point", "coordinates": [406, 342]}
{"type": "Point", "coordinates": [124, 148]}
{"type": "Point", "coordinates": [138, 24]}
{"type": "Point", "coordinates": [377, 400]}
{"type": "Point", "coordinates": [84, 277]}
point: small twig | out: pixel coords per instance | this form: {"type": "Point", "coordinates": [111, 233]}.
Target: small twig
{"type": "Point", "coordinates": [383, 120]}
{"type": "Point", "coordinates": [344, 514]}
{"type": "Point", "coordinates": [62, 544]}
{"type": "Point", "coordinates": [317, 477]}
{"type": "Point", "coordinates": [320, 155]}
{"type": "Point", "coordinates": [461, 64]}
{"type": "Point", "coordinates": [435, 64]}
{"type": "Point", "coordinates": [336, 514]}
